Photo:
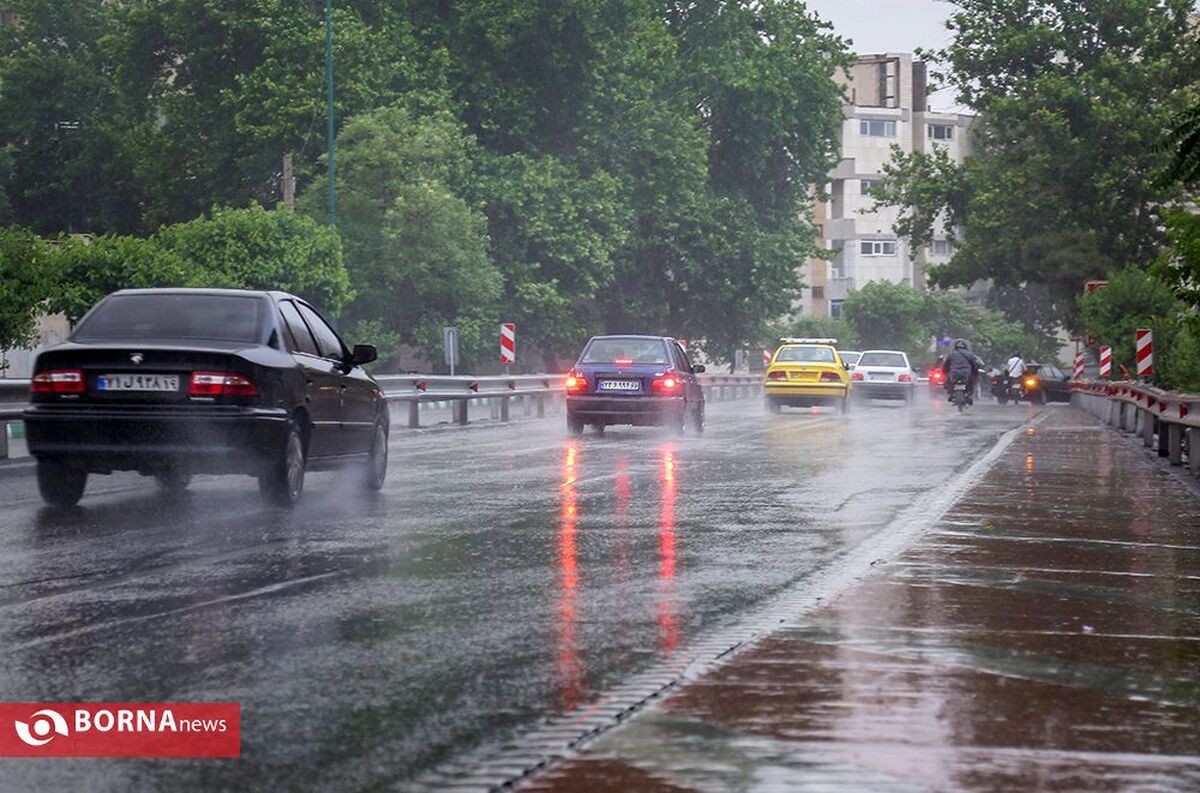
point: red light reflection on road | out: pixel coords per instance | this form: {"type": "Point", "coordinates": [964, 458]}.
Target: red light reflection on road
{"type": "Point", "coordinates": [568, 664]}
{"type": "Point", "coordinates": [668, 613]}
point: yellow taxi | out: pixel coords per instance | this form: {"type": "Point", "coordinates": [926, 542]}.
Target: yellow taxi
{"type": "Point", "coordinates": [805, 373]}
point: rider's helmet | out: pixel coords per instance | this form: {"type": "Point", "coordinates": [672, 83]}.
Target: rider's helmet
{"type": "Point", "coordinates": [961, 344]}
{"type": "Point", "coordinates": [1015, 354]}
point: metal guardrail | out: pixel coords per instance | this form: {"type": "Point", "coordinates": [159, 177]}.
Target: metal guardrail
{"type": "Point", "coordinates": [1166, 421]}
{"type": "Point", "coordinates": [535, 393]}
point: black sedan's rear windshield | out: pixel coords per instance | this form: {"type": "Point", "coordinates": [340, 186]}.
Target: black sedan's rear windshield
{"type": "Point", "coordinates": [626, 351]}
{"type": "Point", "coordinates": [165, 316]}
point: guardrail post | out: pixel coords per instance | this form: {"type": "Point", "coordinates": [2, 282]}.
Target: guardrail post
{"type": "Point", "coordinates": [462, 410]}
{"type": "Point", "coordinates": [1175, 444]}
{"type": "Point", "coordinates": [1147, 428]}
{"type": "Point", "coordinates": [1194, 450]}
{"type": "Point", "coordinates": [414, 413]}
{"type": "Point", "coordinates": [541, 406]}
{"type": "Point", "coordinates": [504, 408]}
{"type": "Point", "coordinates": [1163, 438]}
{"type": "Point", "coordinates": [3, 440]}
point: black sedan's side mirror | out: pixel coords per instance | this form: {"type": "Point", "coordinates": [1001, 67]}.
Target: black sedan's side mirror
{"type": "Point", "coordinates": [699, 369]}
{"type": "Point", "coordinates": [363, 354]}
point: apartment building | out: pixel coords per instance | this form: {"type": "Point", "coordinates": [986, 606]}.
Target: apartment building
{"type": "Point", "coordinates": [887, 106]}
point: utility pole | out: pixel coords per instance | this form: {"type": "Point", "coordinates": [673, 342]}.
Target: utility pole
{"type": "Point", "coordinates": [289, 183]}
{"type": "Point", "coordinates": [329, 108]}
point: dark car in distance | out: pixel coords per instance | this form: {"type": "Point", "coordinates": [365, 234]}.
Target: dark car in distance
{"type": "Point", "coordinates": [1041, 383]}
{"type": "Point", "coordinates": [176, 382]}
{"type": "Point", "coordinates": [637, 380]}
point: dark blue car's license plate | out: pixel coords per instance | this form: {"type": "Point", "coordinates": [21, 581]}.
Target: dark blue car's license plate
{"type": "Point", "coordinates": [619, 385]}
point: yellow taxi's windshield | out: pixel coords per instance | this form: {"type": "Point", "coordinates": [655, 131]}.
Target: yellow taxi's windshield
{"type": "Point", "coordinates": [805, 355]}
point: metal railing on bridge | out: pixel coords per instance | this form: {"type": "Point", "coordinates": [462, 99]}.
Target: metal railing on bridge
{"type": "Point", "coordinates": [1167, 422]}
{"type": "Point", "coordinates": [409, 394]}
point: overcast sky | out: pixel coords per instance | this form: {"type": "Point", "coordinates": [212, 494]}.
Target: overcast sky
{"type": "Point", "coordinates": [890, 26]}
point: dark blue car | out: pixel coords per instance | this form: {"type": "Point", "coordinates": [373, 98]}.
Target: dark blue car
{"type": "Point", "coordinates": [638, 380]}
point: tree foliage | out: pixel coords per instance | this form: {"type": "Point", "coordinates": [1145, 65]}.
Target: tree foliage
{"type": "Point", "coordinates": [1134, 299]}
{"type": "Point", "coordinates": [896, 316]}
{"type": "Point", "coordinates": [1066, 171]}
{"type": "Point", "coordinates": [574, 166]}
{"type": "Point", "coordinates": [26, 277]}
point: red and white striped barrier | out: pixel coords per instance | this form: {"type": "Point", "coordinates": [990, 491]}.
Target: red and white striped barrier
{"type": "Point", "coordinates": [508, 343]}
{"type": "Point", "coordinates": [767, 356]}
{"type": "Point", "coordinates": [1106, 363]}
{"type": "Point", "coordinates": [1145, 352]}
{"type": "Point", "coordinates": [1078, 366]}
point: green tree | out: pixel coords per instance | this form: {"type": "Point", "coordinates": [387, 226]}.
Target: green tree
{"type": "Point", "coordinates": [86, 270]}
{"type": "Point", "coordinates": [257, 248]}
{"type": "Point", "coordinates": [27, 277]}
{"type": "Point", "coordinates": [1133, 299]}
{"type": "Point", "coordinates": [1065, 173]}
{"type": "Point", "coordinates": [889, 316]}
{"type": "Point", "coordinates": [67, 164]}
{"type": "Point", "coordinates": [416, 249]}
{"type": "Point", "coordinates": [218, 92]}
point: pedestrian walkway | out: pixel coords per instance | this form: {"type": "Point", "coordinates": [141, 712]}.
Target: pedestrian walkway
{"type": "Point", "coordinates": [1045, 635]}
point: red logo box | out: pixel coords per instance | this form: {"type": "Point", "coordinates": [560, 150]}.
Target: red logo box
{"type": "Point", "coordinates": [120, 729]}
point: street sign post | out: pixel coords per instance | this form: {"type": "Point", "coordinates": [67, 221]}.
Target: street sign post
{"type": "Point", "coordinates": [508, 343]}
{"type": "Point", "coordinates": [450, 345]}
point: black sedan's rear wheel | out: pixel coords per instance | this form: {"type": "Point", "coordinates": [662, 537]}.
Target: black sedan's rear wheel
{"type": "Point", "coordinates": [283, 482]}
{"type": "Point", "coordinates": [698, 419]}
{"type": "Point", "coordinates": [60, 483]}
{"type": "Point", "coordinates": [377, 460]}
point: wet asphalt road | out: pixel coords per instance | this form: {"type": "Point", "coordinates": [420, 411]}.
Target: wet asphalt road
{"type": "Point", "coordinates": [505, 574]}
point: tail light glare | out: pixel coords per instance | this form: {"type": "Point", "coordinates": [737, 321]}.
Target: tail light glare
{"type": "Point", "coordinates": [857, 376]}
{"type": "Point", "coordinates": [905, 378]}
{"type": "Point", "coordinates": [575, 383]}
{"type": "Point", "coordinates": [211, 384]}
{"type": "Point", "coordinates": [937, 376]}
{"type": "Point", "coordinates": [776, 375]}
{"type": "Point", "coordinates": [1031, 382]}
{"type": "Point", "coordinates": [830, 377]}
{"type": "Point", "coordinates": [58, 381]}
{"type": "Point", "coordinates": [666, 385]}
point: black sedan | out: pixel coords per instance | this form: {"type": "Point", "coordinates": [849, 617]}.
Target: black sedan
{"type": "Point", "coordinates": [176, 382]}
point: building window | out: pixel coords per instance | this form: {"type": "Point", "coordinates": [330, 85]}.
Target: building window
{"type": "Point", "coordinates": [818, 293]}
{"type": "Point", "coordinates": [877, 129]}
{"type": "Point", "coordinates": [835, 308]}
{"type": "Point", "coordinates": [942, 248]}
{"type": "Point", "coordinates": [877, 247]}
{"type": "Point", "coordinates": [941, 131]}
{"type": "Point", "coordinates": [869, 186]}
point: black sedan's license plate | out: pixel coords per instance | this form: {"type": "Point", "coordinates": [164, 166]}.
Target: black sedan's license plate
{"type": "Point", "coordinates": [620, 385]}
{"type": "Point", "coordinates": [137, 382]}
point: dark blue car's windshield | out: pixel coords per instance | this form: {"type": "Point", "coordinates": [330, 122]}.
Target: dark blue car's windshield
{"type": "Point", "coordinates": [165, 316]}
{"type": "Point", "coordinates": [626, 351]}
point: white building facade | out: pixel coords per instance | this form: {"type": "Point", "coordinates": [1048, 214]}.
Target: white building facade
{"type": "Point", "coordinates": [888, 106]}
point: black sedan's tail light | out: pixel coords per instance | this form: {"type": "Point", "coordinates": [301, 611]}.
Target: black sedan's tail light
{"type": "Point", "coordinates": [58, 381]}
{"type": "Point", "coordinates": [211, 384]}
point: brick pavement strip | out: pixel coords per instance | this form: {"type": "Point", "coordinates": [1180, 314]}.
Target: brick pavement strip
{"type": "Point", "coordinates": [1044, 635]}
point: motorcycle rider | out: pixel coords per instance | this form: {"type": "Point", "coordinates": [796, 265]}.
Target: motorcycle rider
{"type": "Point", "coordinates": [1014, 370]}
{"type": "Point", "coordinates": [962, 364]}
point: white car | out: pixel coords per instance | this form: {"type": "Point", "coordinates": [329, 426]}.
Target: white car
{"type": "Point", "coordinates": [883, 374]}
{"type": "Point", "coordinates": [849, 357]}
